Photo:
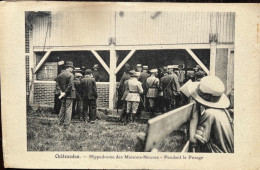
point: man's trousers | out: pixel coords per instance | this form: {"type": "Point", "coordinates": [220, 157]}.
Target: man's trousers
{"type": "Point", "coordinates": [65, 111]}
{"type": "Point", "coordinates": [90, 106]}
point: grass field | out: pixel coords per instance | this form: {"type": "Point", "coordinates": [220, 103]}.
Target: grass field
{"type": "Point", "coordinates": [43, 134]}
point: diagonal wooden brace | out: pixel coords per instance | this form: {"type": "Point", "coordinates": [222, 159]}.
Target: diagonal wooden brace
{"type": "Point", "coordinates": [101, 61]}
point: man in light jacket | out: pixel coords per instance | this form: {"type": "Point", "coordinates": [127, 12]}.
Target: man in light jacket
{"type": "Point", "coordinates": [133, 97]}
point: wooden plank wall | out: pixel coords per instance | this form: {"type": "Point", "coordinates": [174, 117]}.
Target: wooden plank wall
{"type": "Point", "coordinates": [134, 28]}
{"type": "Point", "coordinates": [76, 28]}
{"type": "Point", "coordinates": [73, 28]}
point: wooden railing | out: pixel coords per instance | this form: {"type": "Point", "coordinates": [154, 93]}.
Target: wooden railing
{"type": "Point", "coordinates": [162, 126]}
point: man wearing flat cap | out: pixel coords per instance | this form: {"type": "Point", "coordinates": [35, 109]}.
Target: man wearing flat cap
{"type": "Point", "coordinates": [67, 95]}
{"type": "Point", "coordinates": [89, 95]}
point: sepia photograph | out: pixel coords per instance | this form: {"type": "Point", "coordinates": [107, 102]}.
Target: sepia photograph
{"type": "Point", "coordinates": [130, 81]}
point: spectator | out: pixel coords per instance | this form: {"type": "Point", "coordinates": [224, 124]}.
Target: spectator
{"type": "Point", "coordinates": [170, 87]}
{"type": "Point", "coordinates": [133, 97]}
{"type": "Point", "coordinates": [78, 103]}
{"type": "Point", "coordinates": [67, 95]}
{"type": "Point", "coordinates": [152, 84]}
{"type": "Point", "coordinates": [89, 95]}
{"type": "Point", "coordinates": [214, 125]}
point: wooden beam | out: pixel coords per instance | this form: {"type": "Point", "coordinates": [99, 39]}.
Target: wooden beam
{"type": "Point", "coordinates": [124, 61]}
{"type": "Point", "coordinates": [197, 60]}
{"type": "Point", "coordinates": [163, 125]}
{"type": "Point", "coordinates": [100, 60]}
{"type": "Point", "coordinates": [162, 46]}
{"type": "Point", "coordinates": [72, 48]}
{"type": "Point", "coordinates": [44, 58]}
{"type": "Point", "coordinates": [213, 54]}
{"type": "Point", "coordinates": [129, 47]}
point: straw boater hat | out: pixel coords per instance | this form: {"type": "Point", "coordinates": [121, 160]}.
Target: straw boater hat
{"type": "Point", "coordinates": [78, 75]}
{"type": "Point", "coordinates": [209, 92]}
{"type": "Point", "coordinates": [78, 70]}
{"type": "Point", "coordinates": [145, 67]}
{"type": "Point", "coordinates": [153, 70]}
{"type": "Point", "coordinates": [170, 67]}
{"type": "Point", "coordinates": [96, 66]}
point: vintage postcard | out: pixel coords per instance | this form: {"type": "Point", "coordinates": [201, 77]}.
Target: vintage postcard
{"type": "Point", "coordinates": [130, 85]}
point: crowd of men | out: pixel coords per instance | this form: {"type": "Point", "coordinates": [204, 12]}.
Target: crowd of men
{"type": "Point", "coordinates": [152, 90]}
{"type": "Point", "coordinates": [76, 92]}
{"type": "Point", "coordinates": [140, 89]}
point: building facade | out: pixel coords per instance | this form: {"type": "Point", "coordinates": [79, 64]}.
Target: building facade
{"type": "Point", "coordinates": [113, 38]}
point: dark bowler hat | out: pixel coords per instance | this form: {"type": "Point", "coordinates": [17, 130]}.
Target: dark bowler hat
{"type": "Point", "coordinates": [88, 71]}
{"type": "Point", "coordinates": [69, 64]}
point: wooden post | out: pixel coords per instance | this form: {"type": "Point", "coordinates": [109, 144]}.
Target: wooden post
{"type": "Point", "coordinates": [213, 44]}
{"type": "Point", "coordinates": [113, 59]}
{"type": "Point", "coordinates": [32, 62]}
{"type": "Point", "coordinates": [112, 78]}
{"type": "Point", "coordinates": [213, 53]}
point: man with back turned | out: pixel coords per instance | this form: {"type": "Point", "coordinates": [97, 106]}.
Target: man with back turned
{"type": "Point", "coordinates": [89, 95]}
{"type": "Point", "coordinates": [67, 94]}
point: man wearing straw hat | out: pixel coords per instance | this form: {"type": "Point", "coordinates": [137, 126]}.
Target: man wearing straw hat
{"type": "Point", "coordinates": [133, 97]}
{"type": "Point", "coordinates": [152, 84]}
{"type": "Point", "coordinates": [67, 94]}
{"type": "Point", "coordinates": [213, 128]}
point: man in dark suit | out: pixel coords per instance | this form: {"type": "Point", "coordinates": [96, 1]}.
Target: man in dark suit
{"type": "Point", "coordinates": [67, 95]}
{"type": "Point", "coordinates": [120, 87]}
{"type": "Point", "coordinates": [170, 87]}
{"type": "Point", "coordinates": [78, 103]}
{"type": "Point", "coordinates": [143, 76]}
{"type": "Point", "coordinates": [89, 95]}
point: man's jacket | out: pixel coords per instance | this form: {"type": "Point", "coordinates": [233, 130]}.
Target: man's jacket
{"type": "Point", "coordinates": [88, 88]}
{"type": "Point", "coordinates": [65, 82]}
{"type": "Point", "coordinates": [169, 85]}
